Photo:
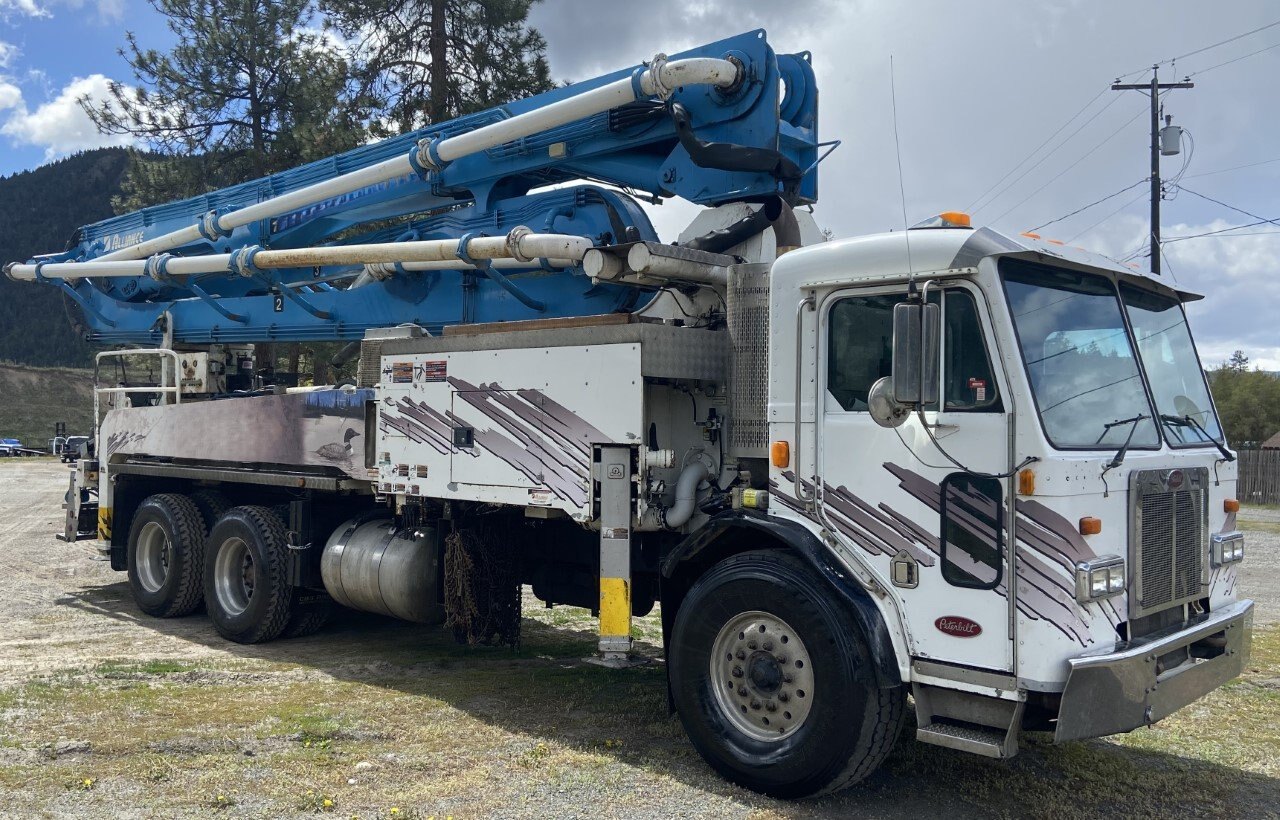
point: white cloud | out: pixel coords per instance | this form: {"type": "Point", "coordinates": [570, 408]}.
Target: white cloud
{"type": "Point", "coordinates": [8, 52]}
{"type": "Point", "coordinates": [10, 95]}
{"type": "Point", "coordinates": [60, 126]}
{"type": "Point", "coordinates": [107, 10]}
{"type": "Point", "coordinates": [28, 8]}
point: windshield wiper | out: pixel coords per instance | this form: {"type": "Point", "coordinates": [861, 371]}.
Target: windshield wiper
{"type": "Point", "coordinates": [1118, 458]}
{"type": "Point", "coordinates": [1189, 421]}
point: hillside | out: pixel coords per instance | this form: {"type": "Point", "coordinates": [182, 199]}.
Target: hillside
{"type": "Point", "coordinates": [39, 211]}
{"type": "Point", "coordinates": [33, 399]}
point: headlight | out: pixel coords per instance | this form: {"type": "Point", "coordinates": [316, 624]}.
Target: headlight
{"type": "Point", "coordinates": [1227, 548]}
{"type": "Point", "coordinates": [1100, 577]}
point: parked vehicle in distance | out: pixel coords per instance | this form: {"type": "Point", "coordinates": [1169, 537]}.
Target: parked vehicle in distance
{"type": "Point", "coordinates": [74, 449]}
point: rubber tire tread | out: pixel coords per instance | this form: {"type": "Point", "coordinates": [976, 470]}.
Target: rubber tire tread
{"type": "Point", "coordinates": [212, 504]}
{"type": "Point", "coordinates": [188, 552]}
{"type": "Point", "coordinates": [808, 598]}
{"type": "Point", "coordinates": [308, 618]}
{"type": "Point", "coordinates": [279, 606]}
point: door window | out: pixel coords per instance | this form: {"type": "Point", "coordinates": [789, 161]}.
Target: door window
{"type": "Point", "coordinates": [860, 351]}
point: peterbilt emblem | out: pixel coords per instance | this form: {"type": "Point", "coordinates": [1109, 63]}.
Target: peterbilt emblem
{"type": "Point", "coordinates": [1174, 479]}
{"type": "Point", "coordinates": [958, 626]}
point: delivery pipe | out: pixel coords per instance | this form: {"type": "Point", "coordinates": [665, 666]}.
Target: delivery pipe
{"type": "Point", "coordinates": [521, 246]}
{"type": "Point", "coordinates": [659, 79]}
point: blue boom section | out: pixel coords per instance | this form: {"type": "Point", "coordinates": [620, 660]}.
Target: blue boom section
{"type": "Point", "coordinates": [640, 147]}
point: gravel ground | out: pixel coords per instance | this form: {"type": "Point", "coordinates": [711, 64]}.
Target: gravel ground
{"type": "Point", "coordinates": [107, 713]}
{"type": "Point", "coordinates": [1260, 572]}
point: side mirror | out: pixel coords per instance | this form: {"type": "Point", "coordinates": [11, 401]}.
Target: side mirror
{"type": "Point", "coordinates": [885, 410]}
{"type": "Point", "coordinates": [916, 329]}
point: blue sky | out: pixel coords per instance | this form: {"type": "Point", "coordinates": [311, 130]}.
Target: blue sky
{"type": "Point", "coordinates": [979, 86]}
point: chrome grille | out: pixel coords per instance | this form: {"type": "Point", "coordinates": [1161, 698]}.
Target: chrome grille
{"type": "Point", "coordinates": [1168, 538]}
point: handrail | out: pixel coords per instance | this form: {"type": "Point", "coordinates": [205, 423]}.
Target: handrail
{"type": "Point", "coordinates": [176, 389]}
{"type": "Point", "coordinates": [806, 497]}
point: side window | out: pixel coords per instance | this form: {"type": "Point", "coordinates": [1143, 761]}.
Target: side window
{"type": "Point", "coordinates": [859, 347]}
{"type": "Point", "coordinates": [860, 351]}
{"type": "Point", "coordinates": [968, 381]}
{"type": "Point", "coordinates": [972, 531]}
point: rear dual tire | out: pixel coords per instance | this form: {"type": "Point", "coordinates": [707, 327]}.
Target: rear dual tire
{"type": "Point", "coordinates": [165, 556]}
{"type": "Point", "coordinates": [246, 585]}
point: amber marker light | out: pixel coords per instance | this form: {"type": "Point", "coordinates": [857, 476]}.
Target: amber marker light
{"type": "Point", "coordinates": [1230, 505]}
{"type": "Point", "coordinates": [1090, 525]}
{"type": "Point", "coordinates": [780, 453]}
{"type": "Point", "coordinates": [1027, 482]}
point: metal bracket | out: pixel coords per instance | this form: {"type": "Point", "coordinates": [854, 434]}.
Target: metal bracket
{"type": "Point", "coordinates": [213, 303]}
{"type": "Point", "coordinates": [487, 267]}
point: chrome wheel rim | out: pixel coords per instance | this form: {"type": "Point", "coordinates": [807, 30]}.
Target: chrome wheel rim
{"type": "Point", "coordinates": [154, 554]}
{"type": "Point", "coordinates": [233, 576]}
{"type": "Point", "coordinates": [762, 676]}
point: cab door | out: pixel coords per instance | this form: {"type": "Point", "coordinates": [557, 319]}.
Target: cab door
{"type": "Point", "coordinates": [919, 503]}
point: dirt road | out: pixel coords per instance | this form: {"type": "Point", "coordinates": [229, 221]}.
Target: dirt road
{"type": "Point", "coordinates": [104, 712]}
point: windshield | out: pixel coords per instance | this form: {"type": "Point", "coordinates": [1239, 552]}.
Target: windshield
{"type": "Point", "coordinates": [1079, 361]}
{"type": "Point", "coordinates": [1173, 369]}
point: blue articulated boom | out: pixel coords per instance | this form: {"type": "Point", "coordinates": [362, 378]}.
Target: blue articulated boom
{"type": "Point", "coordinates": [742, 128]}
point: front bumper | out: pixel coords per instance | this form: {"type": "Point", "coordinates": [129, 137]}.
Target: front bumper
{"type": "Point", "coordinates": [1135, 685]}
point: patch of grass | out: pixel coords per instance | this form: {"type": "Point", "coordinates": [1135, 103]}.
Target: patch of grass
{"type": "Point", "coordinates": [1262, 526]}
{"type": "Point", "coordinates": [117, 669]}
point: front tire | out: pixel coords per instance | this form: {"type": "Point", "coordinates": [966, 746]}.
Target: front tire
{"type": "Point", "coordinates": [165, 556]}
{"type": "Point", "coordinates": [773, 680]}
{"type": "Point", "coordinates": [246, 586]}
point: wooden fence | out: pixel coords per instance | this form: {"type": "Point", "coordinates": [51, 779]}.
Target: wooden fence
{"type": "Point", "coordinates": [1259, 477]}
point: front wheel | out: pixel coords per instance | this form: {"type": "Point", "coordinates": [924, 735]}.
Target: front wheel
{"type": "Point", "coordinates": [773, 681]}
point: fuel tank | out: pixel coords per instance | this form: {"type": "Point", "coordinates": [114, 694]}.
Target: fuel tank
{"type": "Point", "coordinates": [374, 567]}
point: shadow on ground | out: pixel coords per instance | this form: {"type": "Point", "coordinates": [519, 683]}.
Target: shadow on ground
{"type": "Point", "coordinates": [545, 691]}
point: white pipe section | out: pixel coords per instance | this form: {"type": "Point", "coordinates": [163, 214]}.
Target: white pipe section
{"type": "Point", "coordinates": [383, 269]}
{"type": "Point", "coordinates": [519, 246]}
{"type": "Point", "coordinates": [660, 79]}
{"type": "Point", "coordinates": [686, 493]}
{"type": "Point", "coordinates": [642, 260]}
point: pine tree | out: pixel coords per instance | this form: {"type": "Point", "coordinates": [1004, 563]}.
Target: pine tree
{"type": "Point", "coordinates": [250, 88]}
{"type": "Point", "coordinates": [427, 61]}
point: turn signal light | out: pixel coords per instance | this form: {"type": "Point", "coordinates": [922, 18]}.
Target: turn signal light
{"type": "Point", "coordinates": [1090, 525]}
{"type": "Point", "coordinates": [1027, 482]}
{"type": "Point", "coordinates": [1230, 505]}
{"type": "Point", "coordinates": [780, 453]}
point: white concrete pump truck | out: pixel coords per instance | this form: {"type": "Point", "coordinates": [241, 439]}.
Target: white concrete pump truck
{"type": "Point", "coordinates": [980, 470]}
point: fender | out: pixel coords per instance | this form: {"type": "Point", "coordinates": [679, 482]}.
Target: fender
{"type": "Point", "coordinates": [805, 544]}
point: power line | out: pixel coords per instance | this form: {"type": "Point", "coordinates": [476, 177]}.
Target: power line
{"type": "Point", "coordinates": [1108, 216]}
{"type": "Point", "coordinates": [1047, 140]}
{"type": "Point", "coordinates": [1042, 159]}
{"type": "Point", "coordinates": [1203, 49]}
{"type": "Point", "coordinates": [1235, 59]}
{"type": "Point", "coordinates": [1234, 168]}
{"type": "Point", "coordinates": [1232, 207]}
{"type": "Point", "coordinates": [1085, 156]}
{"type": "Point", "coordinates": [1220, 230]}
{"type": "Point", "coordinates": [1091, 204]}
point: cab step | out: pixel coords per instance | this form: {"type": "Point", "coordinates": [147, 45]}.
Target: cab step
{"type": "Point", "coordinates": [979, 740]}
{"type": "Point", "coordinates": [967, 721]}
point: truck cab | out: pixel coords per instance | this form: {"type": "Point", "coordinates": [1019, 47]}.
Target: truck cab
{"type": "Point", "coordinates": [1049, 527]}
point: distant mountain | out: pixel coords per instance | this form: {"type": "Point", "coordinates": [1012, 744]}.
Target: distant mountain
{"type": "Point", "coordinates": [39, 211]}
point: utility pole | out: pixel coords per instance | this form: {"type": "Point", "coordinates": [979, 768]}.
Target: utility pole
{"type": "Point", "coordinates": [1153, 90]}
